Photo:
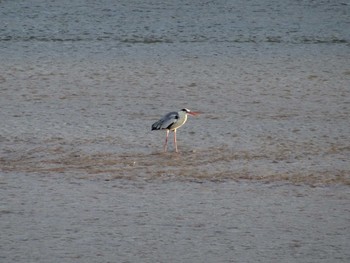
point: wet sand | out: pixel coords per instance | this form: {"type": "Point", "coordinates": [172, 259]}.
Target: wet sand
{"type": "Point", "coordinates": [262, 175]}
{"type": "Point", "coordinates": [288, 121]}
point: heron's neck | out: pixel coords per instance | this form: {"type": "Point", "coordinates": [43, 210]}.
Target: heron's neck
{"type": "Point", "coordinates": [183, 115]}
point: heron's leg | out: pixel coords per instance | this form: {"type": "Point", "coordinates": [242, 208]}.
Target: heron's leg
{"type": "Point", "coordinates": [175, 140]}
{"type": "Point", "coordinates": [166, 140]}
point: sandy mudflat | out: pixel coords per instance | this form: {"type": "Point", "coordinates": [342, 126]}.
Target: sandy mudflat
{"type": "Point", "coordinates": [280, 117]}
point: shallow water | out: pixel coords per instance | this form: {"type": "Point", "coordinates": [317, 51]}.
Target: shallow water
{"type": "Point", "coordinates": [262, 173]}
{"type": "Point", "coordinates": [62, 218]}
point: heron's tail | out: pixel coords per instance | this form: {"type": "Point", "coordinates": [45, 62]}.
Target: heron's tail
{"type": "Point", "coordinates": [157, 125]}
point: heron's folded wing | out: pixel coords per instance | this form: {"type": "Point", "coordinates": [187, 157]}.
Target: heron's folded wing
{"type": "Point", "coordinates": [166, 121]}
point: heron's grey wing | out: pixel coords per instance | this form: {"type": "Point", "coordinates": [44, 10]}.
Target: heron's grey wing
{"type": "Point", "coordinates": [166, 121]}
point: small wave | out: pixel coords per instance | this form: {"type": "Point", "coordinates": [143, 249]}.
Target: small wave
{"type": "Point", "coordinates": [145, 40]}
{"type": "Point", "coordinates": [192, 39]}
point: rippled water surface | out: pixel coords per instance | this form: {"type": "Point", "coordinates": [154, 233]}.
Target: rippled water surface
{"type": "Point", "coordinates": [262, 174]}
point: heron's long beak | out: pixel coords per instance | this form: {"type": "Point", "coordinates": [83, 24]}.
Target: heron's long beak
{"type": "Point", "coordinates": [194, 113]}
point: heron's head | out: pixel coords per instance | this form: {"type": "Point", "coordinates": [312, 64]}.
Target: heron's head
{"type": "Point", "coordinates": [190, 112]}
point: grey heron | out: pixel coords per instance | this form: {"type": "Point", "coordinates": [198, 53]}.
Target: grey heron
{"type": "Point", "coordinates": [171, 122]}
